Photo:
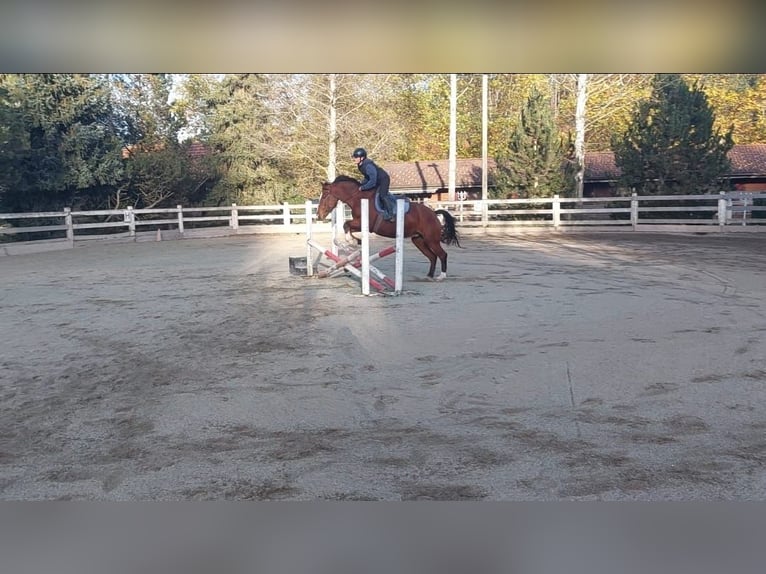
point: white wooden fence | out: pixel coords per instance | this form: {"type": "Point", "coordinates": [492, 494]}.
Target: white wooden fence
{"type": "Point", "coordinates": [733, 211]}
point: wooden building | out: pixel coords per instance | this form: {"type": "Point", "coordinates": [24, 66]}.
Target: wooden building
{"type": "Point", "coordinates": [430, 178]}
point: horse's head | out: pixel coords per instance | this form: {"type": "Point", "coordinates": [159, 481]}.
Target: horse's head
{"type": "Point", "coordinates": [327, 201]}
{"type": "Point", "coordinates": [344, 189]}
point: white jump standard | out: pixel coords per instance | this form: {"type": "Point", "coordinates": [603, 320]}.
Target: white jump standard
{"type": "Point", "coordinates": [358, 261]}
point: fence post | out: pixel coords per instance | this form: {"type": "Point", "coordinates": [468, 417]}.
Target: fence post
{"type": "Point", "coordinates": [234, 224]}
{"type": "Point", "coordinates": [130, 217]}
{"type": "Point", "coordinates": [556, 211]}
{"type": "Point", "coordinates": [634, 211]}
{"type": "Point", "coordinates": [69, 226]}
{"type": "Point", "coordinates": [285, 214]}
{"type": "Point", "coordinates": [722, 211]}
{"type": "Point", "coordinates": [180, 219]}
{"type": "Point", "coordinates": [309, 257]}
{"type": "Point", "coordinates": [484, 214]}
{"type": "Point", "coordinates": [461, 197]}
{"type": "Point", "coordinates": [744, 214]}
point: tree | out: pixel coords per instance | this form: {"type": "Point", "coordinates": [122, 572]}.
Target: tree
{"type": "Point", "coordinates": [241, 138]}
{"type": "Point", "coordinates": [532, 163]}
{"type": "Point", "coordinates": [12, 138]}
{"type": "Point", "coordinates": [63, 144]}
{"type": "Point", "coordinates": [194, 97]}
{"type": "Point", "coordinates": [320, 118]}
{"type": "Point", "coordinates": [671, 145]}
{"type": "Point", "coordinates": [310, 112]}
{"type": "Point", "coordinates": [579, 143]}
{"type": "Point", "coordinates": [158, 169]}
{"type": "Point", "coordinates": [739, 101]}
{"type": "Point", "coordinates": [611, 99]}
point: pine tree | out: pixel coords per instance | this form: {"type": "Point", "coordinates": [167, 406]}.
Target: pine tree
{"type": "Point", "coordinates": [12, 138]}
{"type": "Point", "coordinates": [531, 164]}
{"type": "Point", "coordinates": [241, 136]}
{"type": "Point", "coordinates": [671, 145]}
{"type": "Point", "coordinates": [65, 149]}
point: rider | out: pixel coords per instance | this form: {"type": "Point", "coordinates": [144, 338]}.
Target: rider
{"type": "Point", "coordinates": [375, 177]}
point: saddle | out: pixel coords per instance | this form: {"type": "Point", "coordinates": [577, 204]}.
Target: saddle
{"type": "Point", "coordinates": [379, 204]}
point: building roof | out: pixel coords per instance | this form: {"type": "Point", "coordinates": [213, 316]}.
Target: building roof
{"type": "Point", "coordinates": [430, 175]}
{"type": "Point", "coordinates": [197, 149]}
{"type": "Point", "coordinates": [747, 160]}
{"type": "Point", "coordinates": [600, 166]}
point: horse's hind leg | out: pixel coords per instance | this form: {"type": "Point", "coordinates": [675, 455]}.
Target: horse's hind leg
{"type": "Point", "coordinates": [438, 250]}
{"type": "Point", "coordinates": [420, 243]}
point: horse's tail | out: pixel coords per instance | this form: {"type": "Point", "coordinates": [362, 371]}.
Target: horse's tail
{"type": "Point", "coordinates": [449, 232]}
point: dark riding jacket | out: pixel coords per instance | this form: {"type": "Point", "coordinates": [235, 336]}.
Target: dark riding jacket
{"type": "Point", "coordinates": [374, 177]}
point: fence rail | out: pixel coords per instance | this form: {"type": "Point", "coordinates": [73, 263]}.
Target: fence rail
{"type": "Point", "coordinates": [732, 211]}
{"type": "Point", "coordinates": [717, 212]}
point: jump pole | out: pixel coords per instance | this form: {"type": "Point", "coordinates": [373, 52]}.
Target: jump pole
{"type": "Point", "coordinates": [350, 263]}
{"type": "Point", "coordinates": [343, 264]}
{"type": "Point", "coordinates": [366, 258]}
{"type": "Point", "coordinates": [355, 260]}
{"type": "Point", "coordinates": [361, 257]}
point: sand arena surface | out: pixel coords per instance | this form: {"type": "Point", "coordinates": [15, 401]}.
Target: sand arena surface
{"type": "Point", "coordinates": [609, 366]}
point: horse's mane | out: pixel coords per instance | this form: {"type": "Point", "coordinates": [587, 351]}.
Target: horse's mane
{"type": "Point", "coordinates": [345, 178]}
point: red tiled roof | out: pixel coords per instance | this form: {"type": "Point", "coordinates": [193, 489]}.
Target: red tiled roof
{"type": "Point", "coordinates": [430, 175]}
{"type": "Point", "coordinates": [600, 166]}
{"type": "Point", "coordinates": [197, 149]}
{"type": "Point", "coordinates": [434, 174]}
{"type": "Point", "coordinates": [746, 160]}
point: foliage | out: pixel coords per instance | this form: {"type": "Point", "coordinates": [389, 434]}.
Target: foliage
{"type": "Point", "coordinates": [158, 168]}
{"type": "Point", "coordinates": [301, 105]}
{"type": "Point", "coordinates": [12, 139]}
{"type": "Point", "coordinates": [60, 140]}
{"type": "Point", "coordinates": [422, 106]}
{"type": "Point", "coordinates": [532, 163]}
{"type": "Point", "coordinates": [611, 101]}
{"type": "Point", "coordinates": [100, 141]}
{"type": "Point", "coordinates": [241, 136]}
{"type": "Point", "coordinates": [739, 101]}
{"type": "Point", "coordinates": [671, 145]}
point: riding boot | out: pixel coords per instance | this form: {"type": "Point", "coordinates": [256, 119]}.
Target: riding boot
{"type": "Point", "coordinates": [390, 214]}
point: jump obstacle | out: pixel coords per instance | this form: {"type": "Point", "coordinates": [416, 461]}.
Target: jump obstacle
{"type": "Point", "coordinates": [357, 262]}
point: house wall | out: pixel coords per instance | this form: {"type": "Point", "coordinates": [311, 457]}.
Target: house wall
{"type": "Point", "coordinates": [752, 185]}
{"type": "Point", "coordinates": [442, 194]}
{"type": "Point", "coordinates": [599, 189]}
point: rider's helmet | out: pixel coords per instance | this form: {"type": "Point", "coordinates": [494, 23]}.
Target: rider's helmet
{"type": "Point", "coordinates": [359, 152]}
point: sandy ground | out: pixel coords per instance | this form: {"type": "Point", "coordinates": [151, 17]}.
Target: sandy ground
{"type": "Point", "coordinates": [608, 366]}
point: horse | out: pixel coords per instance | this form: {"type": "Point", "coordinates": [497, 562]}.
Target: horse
{"type": "Point", "coordinates": [421, 223]}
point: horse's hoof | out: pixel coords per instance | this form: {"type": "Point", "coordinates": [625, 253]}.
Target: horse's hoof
{"type": "Point", "coordinates": [441, 277]}
{"type": "Point", "coordinates": [345, 246]}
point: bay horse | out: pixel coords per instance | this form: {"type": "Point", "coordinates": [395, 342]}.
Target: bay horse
{"type": "Point", "coordinates": [421, 223]}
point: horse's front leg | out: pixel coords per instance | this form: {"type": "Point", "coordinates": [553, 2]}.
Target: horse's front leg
{"type": "Point", "coordinates": [350, 226]}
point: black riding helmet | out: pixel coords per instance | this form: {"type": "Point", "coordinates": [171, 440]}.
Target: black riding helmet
{"type": "Point", "coordinates": [359, 152]}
